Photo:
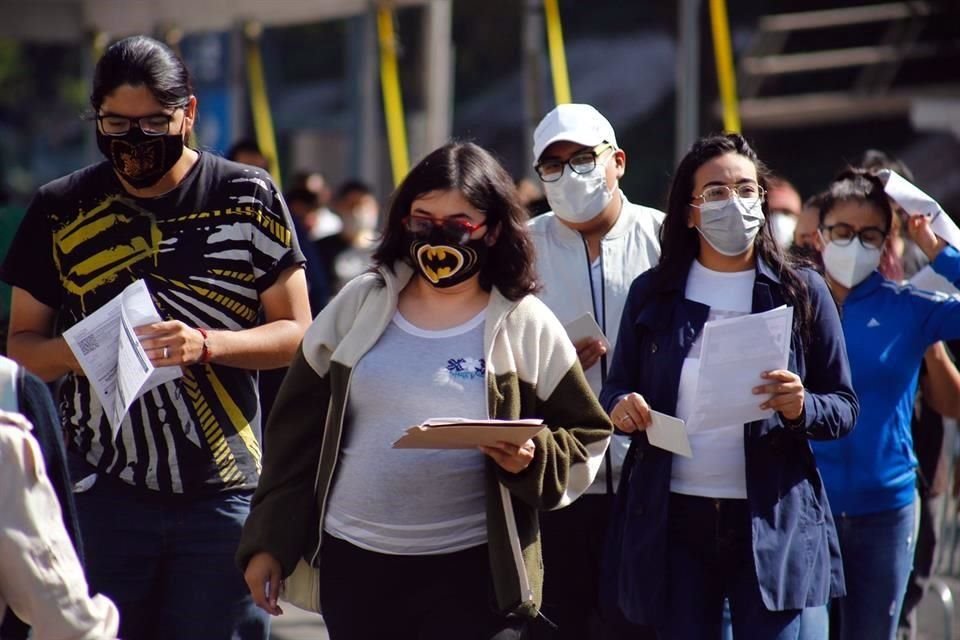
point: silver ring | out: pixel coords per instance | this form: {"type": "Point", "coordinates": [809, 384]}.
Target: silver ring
{"type": "Point", "coordinates": [166, 352]}
{"type": "Point", "coordinates": [624, 418]}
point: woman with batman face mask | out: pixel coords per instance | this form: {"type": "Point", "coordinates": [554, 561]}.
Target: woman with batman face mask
{"type": "Point", "coordinates": [870, 476]}
{"type": "Point", "coordinates": [746, 518]}
{"type": "Point", "coordinates": [444, 325]}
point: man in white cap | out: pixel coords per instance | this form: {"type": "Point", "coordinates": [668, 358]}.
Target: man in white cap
{"type": "Point", "coordinates": [589, 249]}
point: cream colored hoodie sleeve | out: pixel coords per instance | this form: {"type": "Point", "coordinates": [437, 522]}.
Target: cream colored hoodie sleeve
{"type": "Point", "coordinates": [41, 579]}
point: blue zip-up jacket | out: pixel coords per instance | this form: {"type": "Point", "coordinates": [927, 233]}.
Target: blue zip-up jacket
{"type": "Point", "coordinates": [795, 548]}
{"type": "Point", "coordinates": [888, 328]}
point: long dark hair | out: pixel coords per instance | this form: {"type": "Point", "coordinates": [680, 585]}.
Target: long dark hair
{"type": "Point", "coordinates": [855, 184]}
{"type": "Point", "coordinates": [142, 61]}
{"type": "Point", "coordinates": [485, 184]}
{"type": "Point", "coordinates": [680, 244]}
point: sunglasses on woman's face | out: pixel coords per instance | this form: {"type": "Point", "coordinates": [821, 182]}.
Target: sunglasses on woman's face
{"type": "Point", "coordinates": [457, 230]}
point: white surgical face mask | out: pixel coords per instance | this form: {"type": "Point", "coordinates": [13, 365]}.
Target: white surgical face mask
{"type": "Point", "coordinates": [729, 226]}
{"type": "Point", "coordinates": [850, 264]}
{"type": "Point", "coordinates": [577, 197]}
{"type": "Point", "coordinates": [782, 226]}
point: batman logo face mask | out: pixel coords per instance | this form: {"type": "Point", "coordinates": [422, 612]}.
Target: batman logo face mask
{"type": "Point", "coordinates": [444, 264]}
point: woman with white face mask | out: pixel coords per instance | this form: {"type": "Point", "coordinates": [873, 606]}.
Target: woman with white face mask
{"type": "Point", "coordinates": [746, 518]}
{"type": "Point", "coordinates": [870, 475]}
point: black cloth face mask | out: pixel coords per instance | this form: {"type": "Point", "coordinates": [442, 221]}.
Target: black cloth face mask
{"type": "Point", "coordinates": [443, 263]}
{"type": "Point", "coordinates": [140, 159]}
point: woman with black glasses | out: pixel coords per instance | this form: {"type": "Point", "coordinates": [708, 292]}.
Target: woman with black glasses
{"type": "Point", "coordinates": [745, 518]}
{"type": "Point", "coordinates": [426, 544]}
{"type": "Point", "coordinates": [161, 500]}
{"type": "Point", "coordinates": [870, 476]}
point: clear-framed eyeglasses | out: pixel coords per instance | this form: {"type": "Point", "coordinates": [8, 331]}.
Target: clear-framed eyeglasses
{"type": "Point", "coordinates": [156, 124]}
{"type": "Point", "coordinates": [581, 162]}
{"type": "Point", "coordinates": [721, 192]}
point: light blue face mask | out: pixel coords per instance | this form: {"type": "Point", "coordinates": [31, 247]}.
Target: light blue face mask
{"type": "Point", "coordinates": [730, 226]}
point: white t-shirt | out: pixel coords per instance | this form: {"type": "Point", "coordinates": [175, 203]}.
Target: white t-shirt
{"type": "Point", "coordinates": [412, 501]}
{"type": "Point", "coordinates": [718, 466]}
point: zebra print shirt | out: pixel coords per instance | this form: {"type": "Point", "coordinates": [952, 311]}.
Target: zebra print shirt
{"type": "Point", "coordinates": [206, 250]}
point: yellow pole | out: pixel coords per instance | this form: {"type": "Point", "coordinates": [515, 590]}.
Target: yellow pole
{"type": "Point", "coordinates": [259, 101]}
{"type": "Point", "coordinates": [392, 98]}
{"type": "Point", "coordinates": [723, 55]}
{"type": "Point", "coordinates": [558, 59]}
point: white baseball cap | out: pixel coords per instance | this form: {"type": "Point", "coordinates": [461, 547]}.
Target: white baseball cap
{"type": "Point", "coordinates": [578, 123]}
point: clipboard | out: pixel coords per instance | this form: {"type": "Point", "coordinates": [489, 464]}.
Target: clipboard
{"type": "Point", "coordinates": [457, 433]}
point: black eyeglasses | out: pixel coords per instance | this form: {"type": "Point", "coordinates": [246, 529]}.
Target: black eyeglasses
{"type": "Point", "coordinates": [843, 234]}
{"type": "Point", "coordinates": [457, 230]}
{"type": "Point", "coordinates": [157, 124]}
{"type": "Point", "coordinates": [581, 162]}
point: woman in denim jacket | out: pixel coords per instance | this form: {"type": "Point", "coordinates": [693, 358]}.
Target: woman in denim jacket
{"type": "Point", "coordinates": [746, 518]}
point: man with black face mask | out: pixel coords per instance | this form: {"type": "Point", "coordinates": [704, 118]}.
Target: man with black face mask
{"type": "Point", "coordinates": [589, 249]}
{"type": "Point", "coordinates": [161, 503]}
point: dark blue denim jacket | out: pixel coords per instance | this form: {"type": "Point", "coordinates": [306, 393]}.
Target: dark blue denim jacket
{"type": "Point", "coordinates": [795, 549]}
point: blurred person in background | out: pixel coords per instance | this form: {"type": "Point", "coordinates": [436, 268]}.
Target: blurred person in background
{"type": "Point", "coordinates": [532, 197]}
{"type": "Point", "coordinates": [785, 206]}
{"type": "Point", "coordinates": [246, 151]}
{"type": "Point", "coordinates": [351, 251]}
{"type": "Point", "coordinates": [804, 245]}
{"type": "Point", "coordinates": [161, 503]}
{"type": "Point", "coordinates": [588, 249]}
{"type": "Point", "coordinates": [308, 198]}
{"type": "Point", "coordinates": [870, 476]}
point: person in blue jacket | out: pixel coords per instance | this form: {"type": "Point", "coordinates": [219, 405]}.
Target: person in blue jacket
{"type": "Point", "coordinates": [746, 518]}
{"type": "Point", "coordinates": [870, 477]}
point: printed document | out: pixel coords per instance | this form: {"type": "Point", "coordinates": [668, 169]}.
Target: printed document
{"type": "Point", "coordinates": [110, 353]}
{"type": "Point", "coordinates": [734, 353]}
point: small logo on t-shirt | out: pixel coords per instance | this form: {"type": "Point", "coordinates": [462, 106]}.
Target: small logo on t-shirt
{"type": "Point", "coordinates": [873, 323]}
{"type": "Point", "coordinates": [459, 370]}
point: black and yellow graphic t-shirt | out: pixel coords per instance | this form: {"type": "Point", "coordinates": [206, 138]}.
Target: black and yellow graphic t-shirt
{"type": "Point", "coordinates": [206, 250]}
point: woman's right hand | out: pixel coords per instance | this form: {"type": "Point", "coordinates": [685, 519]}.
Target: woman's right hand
{"type": "Point", "coordinates": [631, 413]}
{"type": "Point", "coordinates": [263, 577]}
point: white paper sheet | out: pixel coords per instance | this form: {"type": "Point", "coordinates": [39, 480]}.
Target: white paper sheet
{"type": "Point", "coordinates": [917, 203]}
{"type": "Point", "coordinates": [734, 353]}
{"type": "Point", "coordinates": [110, 353]}
{"type": "Point", "coordinates": [586, 327]}
{"type": "Point", "coordinates": [669, 433]}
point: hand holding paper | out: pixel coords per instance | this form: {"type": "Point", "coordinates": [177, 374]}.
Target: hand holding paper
{"type": "Point", "coordinates": [669, 433]}
{"type": "Point", "coordinates": [588, 338]}
{"type": "Point", "coordinates": [111, 355]}
{"type": "Point", "coordinates": [917, 203]}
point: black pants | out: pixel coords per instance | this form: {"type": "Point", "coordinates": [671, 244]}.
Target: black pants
{"type": "Point", "coordinates": [372, 596]}
{"type": "Point", "coordinates": [573, 539]}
